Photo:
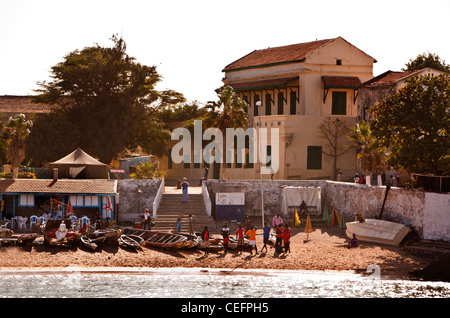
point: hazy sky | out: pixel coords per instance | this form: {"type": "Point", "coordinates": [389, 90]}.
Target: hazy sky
{"type": "Point", "coordinates": [191, 41]}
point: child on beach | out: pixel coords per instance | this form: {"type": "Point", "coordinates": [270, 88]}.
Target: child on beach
{"type": "Point", "coordinates": [179, 225]}
{"type": "Point", "coordinates": [226, 237]}
{"type": "Point", "coordinates": [205, 238]}
{"type": "Point", "coordinates": [266, 235]}
{"type": "Point", "coordinates": [287, 238]}
{"type": "Point", "coordinates": [252, 239]}
{"type": "Point", "coordinates": [240, 235]}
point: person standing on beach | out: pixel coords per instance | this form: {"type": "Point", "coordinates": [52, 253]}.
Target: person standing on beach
{"type": "Point", "coordinates": [279, 231]}
{"type": "Point", "coordinates": [277, 220]}
{"type": "Point", "coordinates": [247, 224]}
{"type": "Point", "coordinates": [252, 239]}
{"type": "Point", "coordinates": [147, 219]}
{"type": "Point", "coordinates": [191, 224]}
{"type": "Point", "coordinates": [226, 237]}
{"type": "Point", "coordinates": [287, 238]}
{"type": "Point", "coordinates": [266, 235]}
{"type": "Point", "coordinates": [184, 187]}
{"type": "Point", "coordinates": [240, 235]}
{"type": "Point", "coordinates": [179, 225]}
{"type": "Point", "coordinates": [205, 238]}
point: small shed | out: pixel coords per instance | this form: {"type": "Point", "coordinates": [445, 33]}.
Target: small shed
{"type": "Point", "coordinates": [230, 206]}
{"type": "Point", "coordinates": [79, 165]}
{"type": "Point", "coordinates": [292, 197]}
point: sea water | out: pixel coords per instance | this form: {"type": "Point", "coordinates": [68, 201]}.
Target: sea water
{"type": "Point", "coordinates": [74, 282]}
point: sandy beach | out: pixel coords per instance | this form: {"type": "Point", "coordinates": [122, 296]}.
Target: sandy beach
{"type": "Point", "coordinates": [325, 250]}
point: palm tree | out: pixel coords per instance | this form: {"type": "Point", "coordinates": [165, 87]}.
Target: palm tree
{"type": "Point", "coordinates": [16, 131]}
{"type": "Point", "coordinates": [229, 111]}
{"type": "Point", "coordinates": [370, 152]}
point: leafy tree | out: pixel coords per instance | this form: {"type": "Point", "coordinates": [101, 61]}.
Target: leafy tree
{"type": "Point", "coordinates": [147, 170]}
{"type": "Point", "coordinates": [229, 111]}
{"type": "Point", "coordinates": [179, 113]}
{"type": "Point", "coordinates": [107, 99]}
{"type": "Point", "coordinates": [427, 60]}
{"type": "Point", "coordinates": [16, 130]}
{"type": "Point", "coordinates": [414, 125]}
{"type": "Point", "coordinates": [369, 151]}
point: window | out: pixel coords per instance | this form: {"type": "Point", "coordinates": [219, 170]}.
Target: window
{"type": "Point", "coordinates": [314, 158]}
{"type": "Point", "coordinates": [26, 200]}
{"type": "Point", "coordinates": [77, 200]}
{"type": "Point", "coordinates": [269, 155]}
{"type": "Point", "coordinates": [338, 62]}
{"type": "Point", "coordinates": [339, 103]}
{"type": "Point", "coordinates": [91, 200]}
{"type": "Point", "coordinates": [280, 103]}
{"type": "Point", "coordinates": [293, 103]}
{"type": "Point", "coordinates": [268, 104]}
{"type": "Point", "coordinates": [255, 108]}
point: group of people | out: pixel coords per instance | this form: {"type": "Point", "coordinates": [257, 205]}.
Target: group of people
{"type": "Point", "coordinates": [283, 236]}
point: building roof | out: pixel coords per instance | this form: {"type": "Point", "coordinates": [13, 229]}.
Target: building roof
{"type": "Point", "coordinates": [262, 84]}
{"type": "Point", "coordinates": [60, 186]}
{"type": "Point", "coordinates": [341, 81]}
{"type": "Point", "coordinates": [22, 104]}
{"type": "Point", "coordinates": [387, 78]}
{"type": "Point", "coordinates": [279, 55]}
{"type": "Point", "coordinates": [391, 77]}
{"type": "Point", "coordinates": [275, 55]}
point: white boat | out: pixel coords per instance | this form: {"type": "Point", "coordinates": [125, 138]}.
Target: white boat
{"type": "Point", "coordinates": [378, 231]}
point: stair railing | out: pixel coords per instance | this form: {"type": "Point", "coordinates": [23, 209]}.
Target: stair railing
{"type": "Point", "coordinates": [158, 198]}
{"type": "Point", "coordinates": [206, 198]}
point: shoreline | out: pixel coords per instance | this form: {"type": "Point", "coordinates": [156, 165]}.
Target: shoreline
{"type": "Point", "coordinates": [324, 251]}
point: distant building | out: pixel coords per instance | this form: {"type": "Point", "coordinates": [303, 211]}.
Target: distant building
{"type": "Point", "coordinates": [12, 105]}
{"type": "Point", "coordinates": [378, 88]}
{"type": "Point", "coordinates": [299, 86]}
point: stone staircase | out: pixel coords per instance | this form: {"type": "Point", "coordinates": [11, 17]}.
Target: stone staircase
{"type": "Point", "coordinates": [171, 208]}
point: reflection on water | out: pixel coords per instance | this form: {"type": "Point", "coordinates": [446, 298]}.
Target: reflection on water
{"type": "Point", "coordinates": [210, 283]}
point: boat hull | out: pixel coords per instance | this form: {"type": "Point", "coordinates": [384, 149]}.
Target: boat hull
{"type": "Point", "coordinates": [159, 239]}
{"type": "Point", "coordinates": [378, 231]}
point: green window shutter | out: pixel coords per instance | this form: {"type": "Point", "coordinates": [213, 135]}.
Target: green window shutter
{"type": "Point", "coordinates": [280, 103]}
{"type": "Point", "coordinates": [339, 103]}
{"type": "Point", "coordinates": [268, 105]}
{"type": "Point", "coordinates": [293, 103]}
{"type": "Point", "coordinates": [314, 159]}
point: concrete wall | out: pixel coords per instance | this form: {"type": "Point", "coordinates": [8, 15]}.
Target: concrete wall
{"type": "Point", "coordinates": [427, 213]}
{"type": "Point", "coordinates": [134, 197]}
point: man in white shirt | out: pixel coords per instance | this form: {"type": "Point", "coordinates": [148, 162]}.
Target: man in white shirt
{"type": "Point", "coordinates": [147, 219]}
{"type": "Point", "coordinates": [277, 220]}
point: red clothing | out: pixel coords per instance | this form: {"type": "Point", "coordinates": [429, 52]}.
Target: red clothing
{"type": "Point", "coordinates": [279, 231]}
{"type": "Point", "coordinates": [286, 234]}
{"type": "Point", "coordinates": [240, 233]}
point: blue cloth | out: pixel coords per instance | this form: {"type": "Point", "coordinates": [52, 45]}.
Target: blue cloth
{"type": "Point", "coordinates": [184, 197]}
{"type": "Point", "coordinates": [266, 233]}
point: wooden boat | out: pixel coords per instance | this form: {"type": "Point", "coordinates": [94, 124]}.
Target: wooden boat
{"type": "Point", "coordinates": [52, 232]}
{"type": "Point", "coordinates": [111, 236]}
{"type": "Point", "coordinates": [91, 243]}
{"type": "Point", "coordinates": [159, 239]}
{"type": "Point", "coordinates": [8, 237]}
{"type": "Point", "coordinates": [131, 240]}
{"type": "Point", "coordinates": [192, 241]}
{"type": "Point", "coordinates": [166, 240]}
{"type": "Point", "coordinates": [377, 231]}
